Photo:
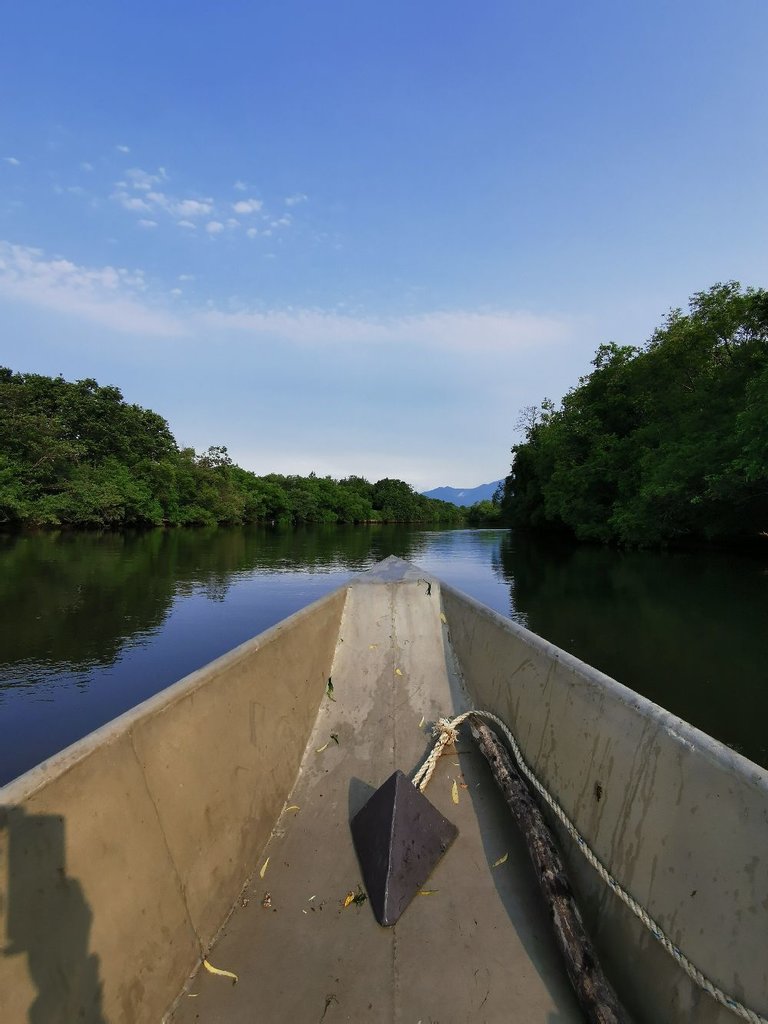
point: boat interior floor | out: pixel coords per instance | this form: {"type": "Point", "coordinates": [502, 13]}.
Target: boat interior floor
{"type": "Point", "coordinates": [474, 945]}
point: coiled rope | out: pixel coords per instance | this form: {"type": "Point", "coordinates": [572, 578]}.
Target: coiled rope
{"type": "Point", "coordinates": [446, 732]}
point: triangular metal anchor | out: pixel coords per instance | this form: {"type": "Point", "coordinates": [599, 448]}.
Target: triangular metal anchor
{"type": "Point", "coordinates": [399, 838]}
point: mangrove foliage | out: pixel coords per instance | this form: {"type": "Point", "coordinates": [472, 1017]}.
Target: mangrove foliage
{"type": "Point", "coordinates": [659, 444]}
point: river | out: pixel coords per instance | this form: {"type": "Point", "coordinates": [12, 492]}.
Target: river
{"type": "Point", "coordinates": [92, 624]}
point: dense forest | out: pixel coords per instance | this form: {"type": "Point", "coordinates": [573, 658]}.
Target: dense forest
{"type": "Point", "coordinates": [659, 444]}
{"type": "Point", "coordinates": [76, 454]}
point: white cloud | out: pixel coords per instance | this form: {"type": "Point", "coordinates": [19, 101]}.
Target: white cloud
{"type": "Point", "coordinates": [247, 206]}
{"type": "Point", "coordinates": [85, 166]}
{"type": "Point", "coordinates": [214, 227]}
{"type": "Point", "coordinates": [186, 224]}
{"type": "Point", "coordinates": [281, 222]}
{"type": "Point", "coordinates": [193, 207]}
{"type": "Point", "coordinates": [176, 292]}
{"type": "Point", "coordinates": [294, 200]}
{"type": "Point", "coordinates": [186, 277]}
{"type": "Point", "coordinates": [147, 223]}
{"type": "Point", "coordinates": [240, 186]}
{"type": "Point", "coordinates": [143, 180]}
{"type": "Point", "coordinates": [12, 161]}
{"type": "Point", "coordinates": [109, 296]}
{"type": "Point", "coordinates": [134, 203]}
{"type": "Point", "coordinates": [232, 223]}
{"type": "Point", "coordinates": [123, 149]}
{"type": "Point", "coordinates": [252, 232]}
{"type": "Point", "coordinates": [150, 200]}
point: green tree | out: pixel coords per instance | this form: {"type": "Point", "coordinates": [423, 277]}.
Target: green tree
{"type": "Point", "coordinates": [660, 443]}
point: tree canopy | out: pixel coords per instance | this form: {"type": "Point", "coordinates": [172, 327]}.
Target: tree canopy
{"type": "Point", "coordinates": [660, 443]}
{"type": "Point", "coordinates": [76, 454]}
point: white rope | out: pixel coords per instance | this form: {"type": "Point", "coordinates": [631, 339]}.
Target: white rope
{"type": "Point", "coordinates": [446, 731]}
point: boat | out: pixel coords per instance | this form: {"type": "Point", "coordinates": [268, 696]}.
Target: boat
{"type": "Point", "coordinates": [204, 838]}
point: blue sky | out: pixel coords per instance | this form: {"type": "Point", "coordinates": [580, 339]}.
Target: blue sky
{"type": "Point", "coordinates": [358, 237]}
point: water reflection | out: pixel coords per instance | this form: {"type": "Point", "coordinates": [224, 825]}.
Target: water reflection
{"type": "Point", "coordinates": [685, 629]}
{"type": "Point", "coordinates": [91, 625]}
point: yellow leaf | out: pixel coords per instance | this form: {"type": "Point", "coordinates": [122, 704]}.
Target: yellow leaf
{"type": "Point", "coordinates": [349, 898]}
{"type": "Point", "coordinates": [428, 892]}
{"type": "Point", "coordinates": [443, 618]}
{"type": "Point", "coordinates": [398, 672]}
{"type": "Point", "coordinates": [293, 807]}
{"type": "Point", "coordinates": [501, 860]}
{"type": "Point", "coordinates": [455, 792]}
{"type": "Point", "coordinates": [421, 723]}
{"type": "Point", "coordinates": [224, 974]}
{"type": "Point", "coordinates": [264, 868]}
{"type": "Point", "coordinates": [321, 749]}
{"type": "Point", "coordinates": [372, 647]}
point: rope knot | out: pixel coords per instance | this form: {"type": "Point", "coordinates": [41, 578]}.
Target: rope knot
{"type": "Point", "coordinates": [445, 729]}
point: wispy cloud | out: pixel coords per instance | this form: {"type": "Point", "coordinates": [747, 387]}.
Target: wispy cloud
{"type": "Point", "coordinates": [123, 149]}
{"type": "Point", "coordinates": [143, 223]}
{"type": "Point", "coordinates": [122, 300]}
{"type": "Point", "coordinates": [12, 160]}
{"type": "Point", "coordinates": [113, 297]}
{"type": "Point", "coordinates": [85, 166]}
{"type": "Point", "coordinates": [454, 330]}
{"type": "Point", "coordinates": [294, 200]}
{"type": "Point", "coordinates": [143, 180]}
{"type": "Point", "coordinates": [214, 227]}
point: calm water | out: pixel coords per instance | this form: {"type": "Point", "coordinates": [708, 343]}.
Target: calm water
{"type": "Point", "coordinates": [91, 625]}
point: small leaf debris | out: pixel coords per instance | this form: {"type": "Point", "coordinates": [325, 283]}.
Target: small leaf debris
{"type": "Point", "coordinates": [501, 860]}
{"type": "Point", "coordinates": [293, 807]}
{"type": "Point", "coordinates": [421, 723]}
{"type": "Point", "coordinates": [267, 901]}
{"type": "Point", "coordinates": [358, 898]}
{"type": "Point", "coordinates": [321, 749]}
{"type": "Point", "coordinates": [455, 792]}
{"type": "Point", "coordinates": [264, 868]}
{"type": "Point", "coordinates": [335, 738]}
{"type": "Point", "coordinates": [443, 618]}
{"type": "Point", "coordinates": [398, 672]}
{"type": "Point", "coordinates": [224, 974]}
{"type": "Point", "coordinates": [329, 690]}
{"type": "Point", "coordinates": [428, 892]}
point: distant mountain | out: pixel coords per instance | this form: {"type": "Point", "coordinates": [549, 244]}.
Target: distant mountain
{"type": "Point", "coordinates": [464, 496]}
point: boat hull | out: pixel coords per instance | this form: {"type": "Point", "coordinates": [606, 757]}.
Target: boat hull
{"type": "Point", "coordinates": [125, 855]}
